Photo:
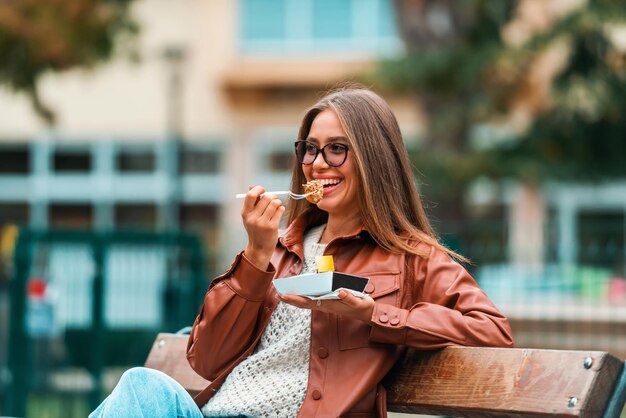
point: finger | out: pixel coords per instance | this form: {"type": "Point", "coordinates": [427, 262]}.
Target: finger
{"type": "Point", "coordinates": [264, 203]}
{"type": "Point", "coordinates": [344, 296]}
{"type": "Point", "coordinates": [277, 216]}
{"type": "Point", "coordinates": [275, 219]}
{"type": "Point", "coordinates": [298, 301]}
{"type": "Point", "coordinates": [349, 299]}
{"type": "Point", "coordinates": [251, 198]}
{"type": "Point", "coordinates": [260, 206]}
{"type": "Point", "coordinates": [292, 299]}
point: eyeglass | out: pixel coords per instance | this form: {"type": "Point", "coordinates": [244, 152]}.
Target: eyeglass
{"type": "Point", "coordinates": [333, 153]}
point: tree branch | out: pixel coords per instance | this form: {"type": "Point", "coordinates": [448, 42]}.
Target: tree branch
{"type": "Point", "coordinates": [41, 109]}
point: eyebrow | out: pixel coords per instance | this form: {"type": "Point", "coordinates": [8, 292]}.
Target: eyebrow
{"type": "Point", "coordinates": [330, 139]}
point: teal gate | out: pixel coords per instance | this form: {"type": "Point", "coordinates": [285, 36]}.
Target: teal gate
{"type": "Point", "coordinates": [85, 306]}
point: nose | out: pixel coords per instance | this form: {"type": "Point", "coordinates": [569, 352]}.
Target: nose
{"type": "Point", "coordinates": [320, 161]}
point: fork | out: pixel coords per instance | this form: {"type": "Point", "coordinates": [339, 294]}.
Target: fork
{"type": "Point", "coordinates": [291, 194]}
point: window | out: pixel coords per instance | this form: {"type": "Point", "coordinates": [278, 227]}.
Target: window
{"type": "Point", "coordinates": [197, 217]}
{"type": "Point", "coordinates": [601, 239]}
{"type": "Point", "coordinates": [332, 19]}
{"type": "Point", "coordinates": [326, 26]}
{"type": "Point", "coordinates": [483, 237]}
{"type": "Point", "coordinates": [14, 160]}
{"type": "Point", "coordinates": [135, 216]}
{"type": "Point", "coordinates": [14, 213]}
{"type": "Point", "coordinates": [135, 161]}
{"type": "Point", "coordinates": [199, 161]}
{"type": "Point", "coordinates": [263, 19]}
{"type": "Point", "coordinates": [280, 161]}
{"type": "Point", "coordinates": [202, 219]}
{"type": "Point", "coordinates": [71, 216]}
{"type": "Point", "coordinates": [71, 161]}
{"type": "Point", "coordinates": [551, 235]}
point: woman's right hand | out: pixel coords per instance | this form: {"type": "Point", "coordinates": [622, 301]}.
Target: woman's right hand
{"type": "Point", "coordinates": [261, 217]}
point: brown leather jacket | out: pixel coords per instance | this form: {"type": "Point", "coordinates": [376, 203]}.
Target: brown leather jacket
{"type": "Point", "coordinates": [422, 302]}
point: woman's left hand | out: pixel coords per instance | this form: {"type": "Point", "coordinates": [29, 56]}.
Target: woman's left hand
{"type": "Point", "coordinates": [346, 305]}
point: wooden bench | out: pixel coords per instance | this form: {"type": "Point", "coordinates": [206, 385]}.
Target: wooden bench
{"type": "Point", "coordinates": [472, 382]}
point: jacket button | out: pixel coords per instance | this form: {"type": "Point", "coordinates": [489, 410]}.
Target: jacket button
{"type": "Point", "coordinates": [317, 395]}
{"type": "Point", "coordinates": [322, 352]}
{"type": "Point", "coordinates": [369, 288]}
{"type": "Point", "coordinates": [383, 318]}
{"type": "Point", "coordinates": [394, 321]}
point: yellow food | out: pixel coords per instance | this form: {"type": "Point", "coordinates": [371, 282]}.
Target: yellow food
{"type": "Point", "coordinates": [324, 263]}
{"type": "Point", "coordinates": [316, 189]}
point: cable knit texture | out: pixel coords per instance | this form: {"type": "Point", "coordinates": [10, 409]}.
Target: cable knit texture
{"type": "Point", "coordinates": [272, 381]}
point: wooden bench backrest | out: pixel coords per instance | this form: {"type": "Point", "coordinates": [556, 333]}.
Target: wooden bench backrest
{"type": "Point", "coordinates": [470, 382]}
{"type": "Point", "coordinates": [169, 354]}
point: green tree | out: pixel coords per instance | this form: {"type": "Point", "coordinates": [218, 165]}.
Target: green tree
{"type": "Point", "coordinates": [451, 47]}
{"type": "Point", "coordinates": [465, 76]}
{"type": "Point", "coordinates": [581, 135]}
{"type": "Point", "coordinates": [43, 36]}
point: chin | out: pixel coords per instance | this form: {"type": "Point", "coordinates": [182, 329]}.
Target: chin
{"type": "Point", "coordinates": [325, 206]}
{"type": "Point", "coordinates": [328, 205]}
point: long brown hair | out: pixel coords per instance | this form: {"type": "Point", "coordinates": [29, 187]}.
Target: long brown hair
{"type": "Point", "coordinates": [390, 203]}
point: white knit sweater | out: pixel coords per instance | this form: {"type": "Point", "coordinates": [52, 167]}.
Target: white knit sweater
{"type": "Point", "coordinates": [272, 381]}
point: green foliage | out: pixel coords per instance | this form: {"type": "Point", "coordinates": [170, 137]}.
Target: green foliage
{"type": "Point", "coordinates": [42, 36]}
{"type": "Point", "coordinates": [451, 78]}
{"type": "Point", "coordinates": [478, 78]}
{"type": "Point", "coordinates": [583, 135]}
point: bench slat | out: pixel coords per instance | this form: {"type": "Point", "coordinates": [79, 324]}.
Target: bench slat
{"type": "Point", "coordinates": [169, 355]}
{"type": "Point", "coordinates": [495, 382]}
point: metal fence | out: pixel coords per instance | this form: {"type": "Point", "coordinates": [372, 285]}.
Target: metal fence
{"type": "Point", "coordinates": [84, 306]}
{"type": "Point", "coordinates": [578, 305]}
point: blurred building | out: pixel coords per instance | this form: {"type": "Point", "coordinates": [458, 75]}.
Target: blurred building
{"type": "Point", "coordinates": [213, 106]}
{"type": "Point", "coordinates": [554, 231]}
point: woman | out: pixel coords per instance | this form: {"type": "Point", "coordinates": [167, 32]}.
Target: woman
{"type": "Point", "coordinates": [291, 356]}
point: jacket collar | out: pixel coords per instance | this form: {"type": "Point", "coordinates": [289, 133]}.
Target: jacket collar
{"type": "Point", "coordinates": [293, 235]}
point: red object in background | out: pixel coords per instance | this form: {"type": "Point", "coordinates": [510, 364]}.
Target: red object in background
{"type": "Point", "coordinates": [36, 288]}
{"type": "Point", "coordinates": [617, 290]}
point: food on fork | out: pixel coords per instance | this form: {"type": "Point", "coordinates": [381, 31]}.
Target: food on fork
{"type": "Point", "coordinates": [316, 189]}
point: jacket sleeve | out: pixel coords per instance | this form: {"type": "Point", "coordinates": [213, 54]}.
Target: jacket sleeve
{"type": "Point", "coordinates": [448, 308]}
{"type": "Point", "coordinates": [227, 322]}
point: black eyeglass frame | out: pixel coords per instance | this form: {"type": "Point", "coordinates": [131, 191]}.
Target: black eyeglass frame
{"type": "Point", "coordinates": [318, 150]}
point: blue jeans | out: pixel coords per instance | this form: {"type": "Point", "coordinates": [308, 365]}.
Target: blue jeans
{"type": "Point", "coordinates": [147, 393]}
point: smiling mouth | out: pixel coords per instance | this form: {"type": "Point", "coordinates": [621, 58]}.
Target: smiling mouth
{"type": "Point", "coordinates": [328, 183]}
